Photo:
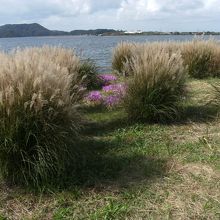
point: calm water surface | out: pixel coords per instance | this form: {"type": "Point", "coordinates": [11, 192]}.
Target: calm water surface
{"type": "Point", "coordinates": [97, 48]}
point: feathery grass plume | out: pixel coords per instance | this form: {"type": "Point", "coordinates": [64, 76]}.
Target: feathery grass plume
{"type": "Point", "coordinates": [62, 57]}
{"type": "Point", "coordinates": [38, 121]}
{"type": "Point", "coordinates": [202, 58]}
{"type": "Point", "coordinates": [84, 73]}
{"type": "Point", "coordinates": [122, 54]}
{"type": "Point", "coordinates": [169, 47]}
{"type": "Point", "coordinates": [156, 86]}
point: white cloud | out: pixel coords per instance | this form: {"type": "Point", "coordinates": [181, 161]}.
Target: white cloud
{"type": "Point", "coordinates": [125, 14]}
{"type": "Point", "coordinates": [44, 8]}
{"type": "Point", "coordinates": [172, 14]}
{"type": "Point", "coordinates": [143, 9]}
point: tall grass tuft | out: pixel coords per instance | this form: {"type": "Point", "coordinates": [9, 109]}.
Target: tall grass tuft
{"type": "Point", "coordinates": [38, 121]}
{"type": "Point", "coordinates": [124, 52]}
{"type": "Point", "coordinates": [88, 72]}
{"type": "Point", "coordinates": [62, 57]}
{"type": "Point", "coordinates": [122, 55]}
{"type": "Point", "coordinates": [156, 85]}
{"type": "Point", "coordinates": [202, 58]}
{"type": "Point", "coordinates": [84, 72]}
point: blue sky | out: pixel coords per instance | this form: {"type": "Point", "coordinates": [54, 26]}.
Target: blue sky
{"type": "Point", "coordinates": [161, 15]}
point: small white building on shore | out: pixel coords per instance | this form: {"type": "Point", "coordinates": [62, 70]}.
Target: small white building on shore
{"type": "Point", "coordinates": [133, 32]}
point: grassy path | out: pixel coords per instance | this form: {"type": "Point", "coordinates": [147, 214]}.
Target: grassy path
{"type": "Point", "coordinates": [138, 171]}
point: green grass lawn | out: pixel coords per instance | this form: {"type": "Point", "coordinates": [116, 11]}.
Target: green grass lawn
{"type": "Point", "coordinates": [137, 170]}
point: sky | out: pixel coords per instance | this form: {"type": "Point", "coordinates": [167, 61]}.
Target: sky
{"type": "Point", "coordinates": [145, 15]}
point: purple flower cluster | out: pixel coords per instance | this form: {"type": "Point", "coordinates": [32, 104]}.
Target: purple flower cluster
{"type": "Point", "coordinates": [111, 94]}
{"type": "Point", "coordinates": [107, 78]}
{"type": "Point", "coordinates": [94, 96]}
{"type": "Point", "coordinates": [111, 101]}
{"type": "Point", "coordinates": [118, 89]}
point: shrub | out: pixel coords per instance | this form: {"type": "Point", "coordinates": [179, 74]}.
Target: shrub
{"type": "Point", "coordinates": [84, 73]}
{"type": "Point", "coordinates": [121, 56]}
{"type": "Point", "coordinates": [202, 58]}
{"type": "Point", "coordinates": [88, 71]}
{"type": "Point", "coordinates": [38, 121]}
{"type": "Point", "coordinates": [62, 57]}
{"type": "Point", "coordinates": [124, 52]}
{"type": "Point", "coordinates": [156, 85]}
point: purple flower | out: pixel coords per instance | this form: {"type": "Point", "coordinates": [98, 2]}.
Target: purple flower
{"type": "Point", "coordinates": [107, 78]}
{"type": "Point", "coordinates": [110, 95]}
{"type": "Point", "coordinates": [118, 89]}
{"type": "Point", "coordinates": [111, 101]}
{"type": "Point", "coordinates": [94, 96]}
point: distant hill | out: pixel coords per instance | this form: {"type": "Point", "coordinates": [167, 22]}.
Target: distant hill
{"type": "Point", "coordinates": [27, 30]}
{"type": "Point", "coordinates": [31, 30]}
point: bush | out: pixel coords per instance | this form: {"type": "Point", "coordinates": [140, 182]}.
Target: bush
{"type": "Point", "coordinates": [156, 86]}
{"type": "Point", "coordinates": [202, 58]}
{"type": "Point", "coordinates": [88, 71]}
{"type": "Point", "coordinates": [38, 121]}
{"type": "Point", "coordinates": [62, 57]}
{"type": "Point", "coordinates": [84, 73]}
{"type": "Point", "coordinates": [122, 55]}
{"type": "Point", "coordinates": [124, 52]}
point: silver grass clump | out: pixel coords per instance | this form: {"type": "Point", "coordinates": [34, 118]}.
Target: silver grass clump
{"type": "Point", "coordinates": [201, 57]}
{"type": "Point", "coordinates": [156, 85]}
{"type": "Point", "coordinates": [38, 120]}
{"type": "Point", "coordinates": [122, 54]}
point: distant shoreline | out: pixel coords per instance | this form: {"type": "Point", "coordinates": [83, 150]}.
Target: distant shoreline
{"type": "Point", "coordinates": [37, 30]}
{"type": "Point", "coordinates": [84, 35]}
